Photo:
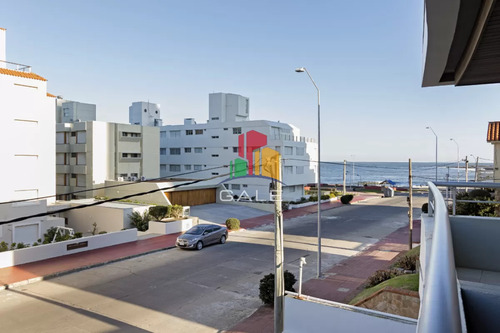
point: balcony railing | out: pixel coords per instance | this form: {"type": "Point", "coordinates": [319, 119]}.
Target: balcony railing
{"type": "Point", "coordinates": [440, 307]}
{"type": "Point", "coordinates": [15, 66]}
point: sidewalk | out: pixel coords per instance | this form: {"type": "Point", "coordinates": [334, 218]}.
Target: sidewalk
{"type": "Point", "coordinates": [343, 281]}
{"type": "Point", "coordinates": [27, 273]}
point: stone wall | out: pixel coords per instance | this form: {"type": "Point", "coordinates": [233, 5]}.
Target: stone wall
{"type": "Point", "coordinates": [391, 300]}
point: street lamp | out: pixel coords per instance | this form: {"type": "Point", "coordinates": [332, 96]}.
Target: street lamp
{"type": "Point", "coordinates": [428, 127]}
{"type": "Point", "coordinates": [301, 70]}
{"type": "Point", "coordinates": [458, 160]}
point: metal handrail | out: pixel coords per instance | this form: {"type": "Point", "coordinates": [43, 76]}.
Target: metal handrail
{"type": "Point", "coordinates": [440, 307]}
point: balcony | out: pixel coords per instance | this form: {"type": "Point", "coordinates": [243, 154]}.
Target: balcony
{"type": "Point", "coordinates": [62, 148]}
{"type": "Point", "coordinates": [460, 270]}
{"type": "Point", "coordinates": [79, 169]}
{"type": "Point", "coordinates": [62, 168]}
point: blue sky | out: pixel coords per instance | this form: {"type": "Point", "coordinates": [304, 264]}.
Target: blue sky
{"type": "Point", "coordinates": [366, 58]}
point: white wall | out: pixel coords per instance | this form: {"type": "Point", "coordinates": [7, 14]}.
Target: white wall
{"type": "Point", "coordinates": [324, 316]}
{"type": "Point", "coordinates": [42, 252]}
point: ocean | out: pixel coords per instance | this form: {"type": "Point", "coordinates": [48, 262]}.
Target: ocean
{"type": "Point", "coordinates": [359, 173]}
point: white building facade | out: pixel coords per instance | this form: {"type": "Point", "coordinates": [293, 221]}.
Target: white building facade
{"type": "Point", "coordinates": [27, 133]}
{"type": "Point", "coordinates": [71, 111]}
{"type": "Point", "coordinates": [198, 151]}
{"type": "Point", "coordinates": [144, 114]}
{"type": "Point", "coordinates": [89, 153]}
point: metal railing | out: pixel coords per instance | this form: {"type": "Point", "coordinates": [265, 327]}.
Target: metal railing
{"type": "Point", "coordinates": [15, 66]}
{"type": "Point", "coordinates": [440, 307]}
{"type": "Point", "coordinates": [453, 186]}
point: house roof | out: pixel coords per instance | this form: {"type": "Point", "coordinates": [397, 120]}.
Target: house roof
{"type": "Point", "coordinates": [462, 42]}
{"type": "Point", "coordinates": [50, 95]}
{"type": "Point", "coordinates": [493, 131]}
{"type": "Point", "coordinates": [21, 74]}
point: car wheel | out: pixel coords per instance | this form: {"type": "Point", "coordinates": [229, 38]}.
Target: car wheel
{"type": "Point", "coordinates": [199, 245]}
{"type": "Point", "coordinates": [223, 239]}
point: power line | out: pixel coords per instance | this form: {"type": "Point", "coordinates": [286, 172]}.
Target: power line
{"type": "Point", "coordinates": [62, 210]}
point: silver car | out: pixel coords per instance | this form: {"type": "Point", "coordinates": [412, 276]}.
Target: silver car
{"type": "Point", "coordinates": [201, 235]}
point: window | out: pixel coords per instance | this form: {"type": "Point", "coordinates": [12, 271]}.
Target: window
{"type": "Point", "coordinates": [215, 173]}
{"type": "Point", "coordinates": [174, 168]}
{"type": "Point", "coordinates": [198, 131]}
{"type": "Point", "coordinates": [288, 170]}
{"type": "Point", "coordinates": [163, 168]}
{"type": "Point", "coordinates": [124, 175]}
{"type": "Point", "coordinates": [278, 149]}
{"type": "Point", "coordinates": [215, 118]}
{"type": "Point", "coordinates": [299, 151]}
{"type": "Point", "coordinates": [124, 134]}
{"type": "Point", "coordinates": [163, 151]}
{"type": "Point", "coordinates": [299, 170]}
{"type": "Point", "coordinates": [189, 132]}
{"type": "Point", "coordinates": [291, 189]}
{"type": "Point", "coordinates": [73, 133]}
{"type": "Point", "coordinates": [235, 149]}
{"type": "Point", "coordinates": [288, 150]}
{"type": "Point", "coordinates": [124, 155]}
{"type": "Point", "coordinates": [198, 150]}
{"type": "Point", "coordinates": [163, 134]}
{"type": "Point", "coordinates": [187, 167]}
{"type": "Point", "coordinates": [73, 175]}
{"type": "Point", "coordinates": [73, 155]}
{"type": "Point", "coordinates": [134, 174]}
{"type": "Point", "coordinates": [226, 148]}
{"type": "Point", "coordinates": [215, 136]}
{"type": "Point", "coordinates": [187, 150]}
{"type": "Point", "coordinates": [197, 167]}
{"type": "Point", "coordinates": [215, 155]}
{"type": "Point", "coordinates": [175, 151]}
{"type": "Point", "coordinates": [235, 186]}
{"type": "Point", "coordinates": [225, 128]}
{"type": "Point", "coordinates": [135, 155]}
{"type": "Point", "coordinates": [245, 185]}
{"type": "Point", "coordinates": [175, 134]}
{"type": "Point", "coordinates": [236, 130]}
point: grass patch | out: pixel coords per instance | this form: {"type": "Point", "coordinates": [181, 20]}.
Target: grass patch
{"type": "Point", "coordinates": [407, 282]}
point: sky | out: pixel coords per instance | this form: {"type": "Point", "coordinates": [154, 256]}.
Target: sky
{"type": "Point", "coordinates": [365, 56]}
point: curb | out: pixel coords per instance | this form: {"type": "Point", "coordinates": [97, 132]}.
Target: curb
{"type": "Point", "coordinates": [77, 269]}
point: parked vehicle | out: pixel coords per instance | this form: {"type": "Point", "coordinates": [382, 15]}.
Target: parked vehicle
{"type": "Point", "coordinates": [202, 235]}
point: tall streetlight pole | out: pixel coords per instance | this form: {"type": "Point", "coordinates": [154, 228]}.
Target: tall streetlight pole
{"type": "Point", "coordinates": [301, 70]}
{"type": "Point", "coordinates": [428, 127]}
{"type": "Point", "coordinates": [458, 160]}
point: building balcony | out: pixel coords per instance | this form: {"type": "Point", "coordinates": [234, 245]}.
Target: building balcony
{"type": "Point", "coordinates": [62, 148]}
{"type": "Point", "coordinates": [130, 159]}
{"type": "Point", "coordinates": [79, 169]}
{"type": "Point", "coordinates": [62, 168]}
{"type": "Point", "coordinates": [79, 148]}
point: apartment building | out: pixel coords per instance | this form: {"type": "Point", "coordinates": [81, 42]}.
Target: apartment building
{"type": "Point", "coordinates": [71, 111]}
{"type": "Point", "coordinates": [27, 131]}
{"type": "Point", "coordinates": [89, 153]}
{"type": "Point", "coordinates": [206, 150]}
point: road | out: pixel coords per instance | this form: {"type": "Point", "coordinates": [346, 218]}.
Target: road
{"type": "Point", "coordinates": [190, 291]}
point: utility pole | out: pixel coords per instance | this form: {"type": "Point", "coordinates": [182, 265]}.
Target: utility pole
{"type": "Point", "coordinates": [279, 281]}
{"type": "Point", "coordinates": [344, 176]}
{"type": "Point", "coordinates": [410, 203]}
{"type": "Point", "coordinates": [466, 169]}
{"type": "Point", "coordinates": [475, 171]}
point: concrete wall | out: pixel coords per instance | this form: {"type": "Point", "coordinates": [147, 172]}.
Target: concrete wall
{"type": "Point", "coordinates": [172, 227]}
{"type": "Point", "coordinates": [475, 242]}
{"type": "Point", "coordinates": [324, 316]}
{"type": "Point", "coordinates": [399, 302]}
{"type": "Point", "coordinates": [42, 252]}
{"type": "Point", "coordinates": [109, 219]}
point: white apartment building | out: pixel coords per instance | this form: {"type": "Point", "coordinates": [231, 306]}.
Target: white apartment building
{"type": "Point", "coordinates": [71, 111]}
{"type": "Point", "coordinates": [89, 153]}
{"type": "Point", "coordinates": [27, 133]}
{"type": "Point", "coordinates": [144, 114]}
{"type": "Point", "coordinates": [197, 151]}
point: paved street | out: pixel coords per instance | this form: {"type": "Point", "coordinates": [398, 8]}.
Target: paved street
{"type": "Point", "coordinates": [189, 291]}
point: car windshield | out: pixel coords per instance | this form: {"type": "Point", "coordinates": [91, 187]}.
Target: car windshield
{"type": "Point", "coordinates": [195, 230]}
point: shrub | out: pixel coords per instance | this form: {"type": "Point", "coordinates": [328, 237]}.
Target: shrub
{"type": "Point", "coordinates": [475, 209]}
{"type": "Point", "coordinates": [325, 197]}
{"type": "Point", "coordinates": [49, 236]}
{"type": "Point", "coordinates": [334, 193]}
{"type": "Point", "coordinates": [425, 208]}
{"type": "Point", "coordinates": [176, 211]}
{"type": "Point", "coordinates": [346, 199]}
{"type": "Point", "coordinates": [266, 286]}
{"type": "Point", "coordinates": [4, 246]}
{"type": "Point", "coordinates": [285, 205]}
{"type": "Point", "coordinates": [407, 262]}
{"type": "Point", "coordinates": [78, 235]}
{"type": "Point", "coordinates": [35, 244]}
{"type": "Point", "coordinates": [103, 232]}
{"type": "Point", "coordinates": [233, 223]}
{"type": "Point", "coordinates": [21, 245]}
{"type": "Point", "coordinates": [160, 212]}
{"type": "Point", "coordinates": [140, 221]}
{"type": "Point", "coordinates": [313, 198]}
{"type": "Point", "coordinates": [379, 277]}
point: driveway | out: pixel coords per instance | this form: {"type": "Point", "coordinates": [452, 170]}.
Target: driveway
{"type": "Point", "coordinates": [219, 213]}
